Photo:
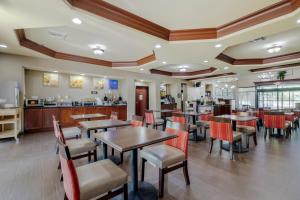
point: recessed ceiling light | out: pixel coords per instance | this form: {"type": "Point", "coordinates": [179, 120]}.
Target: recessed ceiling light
{"type": "Point", "coordinates": [98, 51]}
{"type": "Point", "coordinates": [164, 62]}
{"type": "Point", "coordinates": [226, 68]}
{"type": "Point", "coordinates": [82, 74]}
{"type": "Point", "coordinates": [76, 21]}
{"type": "Point", "coordinates": [55, 71]}
{"type": "Point", "coordinates": [3, 46]}
{"type": "Point", "coordinates": [142, 69]}
{"type": "Point", "coordinates": [158, 46]}
{"type": "Point", "coordinates": [274, 49]}
{"type": "Point", "coordinates": [218, 45]}
{"type": "Point", "coordinates": [182, 69]}
{"type": "Point", "coordinates": [206, 61]}
{"type": "Point", "coordinates": [97, 46]}
{"type": "Point", "coordinates": [298, 21]}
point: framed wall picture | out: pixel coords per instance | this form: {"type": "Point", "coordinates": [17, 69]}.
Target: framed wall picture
{"type": "Point", "coordinates": [98, 83]}
{"type": "Point", "coordinates": [76, 81]}
{"type": "Point", "coordinates": [50, 79]}
{"type": "Point", "coordinates": [113, 84]}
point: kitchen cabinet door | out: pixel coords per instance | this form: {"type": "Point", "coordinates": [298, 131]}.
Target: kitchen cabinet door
{"type": "Point", "coordinates": [33, 118]}
{"type": "Point", "coordinates": [47, 116]}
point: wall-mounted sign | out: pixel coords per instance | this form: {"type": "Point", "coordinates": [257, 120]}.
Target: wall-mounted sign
{"type": "Point", "coordinates": [76, 81]}
{"type": "Point", "coordinates": [98, 83]}
{"type": "Point", "coordinates": [50, 79]}
{"type": "Point", "coordinates": [113, 84]}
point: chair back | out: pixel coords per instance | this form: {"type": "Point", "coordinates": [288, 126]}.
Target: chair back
{"type": "Point", "coordinates": [181, 142]}
{"type": "Point", "coordinates": [251, 123]}
{"type": "Point", "coordinates": [114, 116]}
{"type": "Point", "coordinates": [178, 117]}
{"type": "Point", "coordinates": [274, 120]}
{"type": "Point", "coordinates": [136, 121]}
{"type": "Point", "coordinates": [221, 129]}
{"type": "Point", "coordinates": [290, 117]}
{"type": "Point", "coordinates": [57, 131]}
{"type": "Point", "coordinates": [205, 117]}
{"type": "Point", "coordinates": [71, 184]}
{"type": "Point", "coordinates": [149, 117]}
{"type": "Point", "coordinates": [244, 114]}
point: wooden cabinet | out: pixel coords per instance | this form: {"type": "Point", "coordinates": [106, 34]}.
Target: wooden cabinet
{"type": "Point", "coordinates": [40, 119]}
{"type": "Point", "coordinates": [47, 116]}
{"type": "Point", "coordinates": [33, 118]}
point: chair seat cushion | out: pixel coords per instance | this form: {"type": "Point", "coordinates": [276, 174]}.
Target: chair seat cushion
{"type": "Point", "coordinates": [202, 123]}
{"type": "Point", "coordinates": [237, 135]}
{"type": "Point", "coordinates": [98, 178]}
{"type": "Point", "coordinates": [163, 155]}
{"type": "Point", "coordinates": [245, 129]}
{"type": "Point", "coordinates": [192, 127]}
{"type": "Point", "coordinates": [159, 121]}
{"type": "Point", "coordinates": [81, 145]}
{"type": "Point", "coordinates": [71, 132]}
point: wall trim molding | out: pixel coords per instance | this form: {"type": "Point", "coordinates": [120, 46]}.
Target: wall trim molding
{"type": "Point", "coordinates": [275, 67]}
{"type": "Point", "coordinates": [193, 73]}
{"type": "Point", "coordinates": [211, 76]}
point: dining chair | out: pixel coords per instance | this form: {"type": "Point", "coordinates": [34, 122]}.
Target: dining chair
{"type": "Point", "coordinates": [221, 129]}
{"type": "Point", "coordinates": [276, 120]}
{"type": "Point", "coordinates": [101, 179]}
{"type": "Point", "coordinates": [150, 120]}
{"type": "Point", "coordinates": [247, 127]}
{"type": "Point", "coordinates": [79, 148]}
{"type": "Point", "coordinates": [136, 121]}
{"type": "Point", "coordinates": [180, 118]}
{"type": "Point", "coordinates": [203, 122]}
{"type": "Point", "coordinates": [169, 156]}
{"type": "Point", "coordinates": [114, 115]}
{"type": "Point", "coordinates": [293, 119]}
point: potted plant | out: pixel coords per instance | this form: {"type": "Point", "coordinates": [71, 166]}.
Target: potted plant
{"type": "Point", "coordinates": [281, 75]}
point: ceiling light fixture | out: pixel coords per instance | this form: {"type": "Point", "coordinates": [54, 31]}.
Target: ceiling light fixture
{"type": "Point", "coordinates": [98, 51]}
{"type": "Point", "coordinates": [142, 69]}
{"type": "Point", "coordinates": [206, 61]}
{"type": "Point", "coordinates": [182, 70]}
{"type": "Point", "coordinates": [55, 71]}
{"type": "Point", "coordinates": [298, 21]}
{"type": "Point", "coordinates": [164, 62]}
{"type": "Point", "coordinates": [76, 21]}
{"type": "Point", "coordinates": [274, 49]}
{"type": "Point", "coordinates": [226, 68]}
{"type": "Point", "coordinates": [3, 46]}
{"type": "Point", "coordinates": [158, 46]}
{"type": "Point", "coordinates": [218, 45]}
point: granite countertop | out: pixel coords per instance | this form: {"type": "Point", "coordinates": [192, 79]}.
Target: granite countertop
{"type": "Point", "coordinates": [74, 106]}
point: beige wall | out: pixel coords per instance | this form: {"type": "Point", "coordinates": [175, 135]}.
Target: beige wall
{"type": "Point", "coordinates": [34, 87]}
{"type": "Point", "coordinates": [11, 68]}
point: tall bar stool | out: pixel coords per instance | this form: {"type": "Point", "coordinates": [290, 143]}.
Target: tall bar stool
{"type": "Point", "coordinates": [99, 179]}
{"type": "Point", "coordinates": [171, 155]}
{"type": "Point", "coordinates": [221, 129]}
{"type": "Point", "coordinates": [150, 120]}
{"type": "Point", "coordinates": [276, 120]}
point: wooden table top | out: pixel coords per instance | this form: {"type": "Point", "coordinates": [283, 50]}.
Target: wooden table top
{"type": "Point", "coordinates": [165, 111]}
{"type": "Point", "coordinates": [87, 116]}
{"type": "Point", "coordinates": [237, 118]}
{"type": "Point", "coordinates": [102, 124]}
{"type": "Point", "coordinates": [129, 138]}
{"type": "Point", "coordinates": [195, 113]}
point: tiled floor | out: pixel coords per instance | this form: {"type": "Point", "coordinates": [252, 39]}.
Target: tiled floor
{"type": "Point", "coordinates": [28, 171]}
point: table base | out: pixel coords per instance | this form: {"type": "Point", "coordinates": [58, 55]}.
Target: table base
{"type": "Point", "coordinates": [146, 191]}
{"type": "Point", "coordinates": [235, 148]}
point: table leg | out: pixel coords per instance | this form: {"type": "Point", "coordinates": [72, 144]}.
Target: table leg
{"type": "Point", "coordinates": [104, 151]}
{"type": "Point", "coordinates": [89, 133]}
{"type": "Point", "coordinates": [134, 169]}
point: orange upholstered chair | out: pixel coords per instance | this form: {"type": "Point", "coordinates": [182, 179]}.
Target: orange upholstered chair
{"type": "Point", "coordinates": [170, 155]}
{"type": "Point", "coordinates": [276, 120]}
{"type": "Point", "coordinates": [221, 129]}
{"type": "Point", "coordinates": [136, 121]}
{"type": "Point", "coordinates": [150, 120]}
{"type": "Point", "coordinates": [247, 127]}
{"type": "Point", "coordinates": [203, 122]}
{"type": "Point", "coordinates": [98, 179]}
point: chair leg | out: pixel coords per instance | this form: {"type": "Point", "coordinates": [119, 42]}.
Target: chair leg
{"type": "Point", "coordinates": [255, 139]}
{"type": "Point", "coordinates": [121, 157]}
{"type": "Point", "coordinates": [59, 165]}
{"type": "Point", "coordinates": [112, 151]}
{"type": "Point", "coordinates": [61, 177]}
{"type": "Point", "coordinates": [143, 169]}
{"type": "Point", "coordinates": [95, 155]}
{"type": "Point", "coordinates": [125, 192]}
{"type": "Point", "coordinates": [89, 156]}
{"type": "Point", "coordinates": [265, 135]}
{"type": "Point", "coordinates": [248, 138]}
{"type": "Point", "coordinates": [231, 150]}
{"type": "Point", "coordinates": [65, 197]}
{"type": "Point", "coordinates": [221, 144]}
{"type": "Point", "coordinates": [211, 145]}
{"type": "Point", "coordinates": [186, 172]}
{"type": "Point", "coordinates": [161, 182]}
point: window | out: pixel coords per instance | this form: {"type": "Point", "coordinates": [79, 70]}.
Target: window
{"type": "Point", "coordinates": [246, 97]}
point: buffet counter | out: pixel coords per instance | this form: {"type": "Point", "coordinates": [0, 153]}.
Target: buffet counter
{"type": "Point", "coordinates": [39, 119]}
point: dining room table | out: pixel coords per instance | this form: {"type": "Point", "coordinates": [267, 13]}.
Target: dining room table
{"type": "Point", "coordinates": [87, 117]}
{"type": "Point", "coordinates": [132, 139]}
{"type": "Point", "coordinates": [234, 119]}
